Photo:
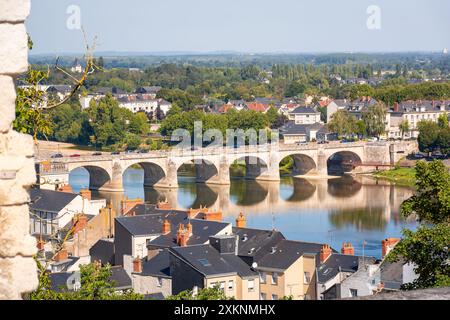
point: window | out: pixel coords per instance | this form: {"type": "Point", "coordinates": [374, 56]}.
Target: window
{"type": "Point", "coordinates": [212, 284]}
{"type": "Point", "coordinates": [262, 296]}
{"type": "Point", "coordinates": [159, 282]}
{"type": "Point", "coordinates": [251, 285]}
{"type": "Point", "coordinates": [274, 297]}
{"type": "Point", "coordinates": [230, 284]}
{"type": "Point", "coordinates": [222, 285]}
{"type": "Point", "coordinates": [262, 277]}
{"type": "Point", "coordinates": [353, 292]}
{"type": "Point", "coordinates": [274, 278]}
{"type": "Point", "coordinates": [204, 262]}
{"type": "Point", "coordinates": [306, 277]}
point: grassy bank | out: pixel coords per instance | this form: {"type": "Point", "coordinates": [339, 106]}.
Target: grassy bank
{"type": "Point", "coordinates": [402, 176]}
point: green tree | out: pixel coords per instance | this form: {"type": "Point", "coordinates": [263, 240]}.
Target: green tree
{"type": "Point", "coordinates": [342, 123]}
{"type": "Point", "coordinates": [443, 120]}
{"type": "Point", "coordinates": [404, 127]}
{"type": "Point", "coordinates": [132, 141]}
{"type": "Point", "coordinates": [431, 202]}
{"type": "Point", "coordinates": [375, 120]}
{"type": "Point", "coordinates": [214, 293]}
{"type": "Point", "coordinates": [138, 124]}
{"type": "Point", "coordinates": [95, 285]}
{"type": "Point", "coordinates": [428, 249]}
{"type": "Point", "coordinates": [428, 135]}
{"type": "Point", "coordinates": [272, 115]}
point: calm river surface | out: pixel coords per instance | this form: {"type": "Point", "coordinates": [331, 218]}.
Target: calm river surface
{"type": "Point", "coordinates": [316, 210]}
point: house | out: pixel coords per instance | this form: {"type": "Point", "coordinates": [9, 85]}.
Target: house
{"type": "Point", "coordinates": [151, 274]}
{"type": "Point", "coordinates": [334, 268]}
{"type": "Point", "coordinates": [257, 106]}
{"type": "Point", "coordinates": [288, 269]}
{"type": "Point", "coordinates": [413, 112]}
{"type": "Point", "coordinates": [60, 91]}
{"type": "Point", "coordinates": [51, 211]}
{"type": "Point", "coordinates": [295, 133]}
{"type": "Point", "coordinates": [216, 263]}
{"type": "Point", "coordinates": [71, 281]}
{"type": "Point", "coordinates": [304, 115]}
{"type": "Point", "coordinates": [374, 276]}
{"type": "Point", "coordinates": [134, 234]}
{"type": "Point", "coordinates": [143, 102]}
{"type": "Point", "coordinates": [151, 90]}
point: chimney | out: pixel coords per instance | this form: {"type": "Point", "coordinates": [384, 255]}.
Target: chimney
{"type": "Point", "coordinates": [347, 248]}
{"type": "Point", "coordinates": [129, 204]}
{"type": "Point", "coordinates": [396, 107]}
{"type": "Point", "coordinates": [164, 205]}
{"type": "Point", "coordinates": [40, 244]}
{"type": "Point", "coordinates": [189, 229]}
{"type": "Point", "coordinates": [184, 237]}
{"type": "Point", "coordinates": [65, 188]}
{"type": "Point", "coordinates": [241, 221]}
{"type": "Point", "coordinates": [86, 194]}
{"type": "Point", "coordinates": [166, 227]}
{"type": "Point", "coordinates": [387, 245]}
{"type": "Point", "coordinates": [325, 252]}
{"type": "Point", "coordinates": [79, 222]}
{"type": "Point", "coordinates": [212, 216]}
{"type": "Point", "coordinates": [137, 265]}
{"type": "Point", "coordinates": [61, 255]}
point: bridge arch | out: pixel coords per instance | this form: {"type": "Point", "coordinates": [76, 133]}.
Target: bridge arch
{"type": "Point", "coordinates": [301, 164]}
{"type": "Point", "coordinates": [154, 174]}
{"type": "Point", "coordinates": [205, 170]}
{"type": "Point", "coordinates": [342, 162]}
{"type": "Point", "coordinates": [251, 167]}
{"type": "Point", "coordinates": [98, 176]}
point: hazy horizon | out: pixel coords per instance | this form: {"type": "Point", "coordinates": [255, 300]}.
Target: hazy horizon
{"type": "Point", "coordinates": [241, 27]}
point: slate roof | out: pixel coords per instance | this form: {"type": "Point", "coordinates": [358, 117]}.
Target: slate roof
{"type": "Point", "coordinates": [208, 261]}
{"type": "Point", "coordinates": [304, 110]}
{"type": "Point", "coordinates": [255, 243]}
{"type": "Point", "coordinates": [148, 89]}
{"type": "Point", "coordinates": [103, 251]}
{"type": "Point", "coordinates": [430, 106]}
{"type": "Point", "coordinates": [286, 252]}
{"type": "Point", "coordinates": [154, 296]}
{"type": "Point", "coordinates": [120, 278]}
{"type": "Point", "coordinates": [391, 274]}
{"type": "Point", "coordinates": [146, 208]}
{"type": "Point", "coordinates": [339, 262]}
{"type": "Point", "coordinates": [291, 128]}
{"type": "Point", "coordinates": [49, 200]}
{"type": "Point", "coordinates": [158, 265]}
{"type": "Point", "coordinates": [148, 224]}
{"type": "Point", "coordinates": [118, 275]}
{"type": "Point", "coordinates": [201, 231]}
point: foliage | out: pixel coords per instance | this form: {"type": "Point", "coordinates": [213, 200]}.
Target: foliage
{"type": "Point", "coordinates": [404, 127]}
{"type": "Point", "coordinates": [402, 176]}
{"type": "Point", "coordinates": [342, 123]}
{"type": "Point", "coordinates": [95, 285]}
{"type": "Point", "coordinates": [428, 249]}
{"type": "Point", "coordinates": [214, 293]}
{"type": "Point", "coordinates": [434, 136]}
{"type": "Point", "coordinates": [29, 103]}
{"type": "Point", "coordinates": [431, 203]}
{"type": "Point", "coordinates": [374, 119]}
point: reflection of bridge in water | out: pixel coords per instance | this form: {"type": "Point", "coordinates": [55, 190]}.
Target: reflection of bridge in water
{"type": "Point", "coordinates": [297, 194]}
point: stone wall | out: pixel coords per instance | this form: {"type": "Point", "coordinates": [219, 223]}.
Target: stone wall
{"type": "Point", "coordinates": [17, 267]}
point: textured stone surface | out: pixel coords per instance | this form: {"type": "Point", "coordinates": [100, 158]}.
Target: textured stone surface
{"type": "Point", "coordinates": [14, 232]}
{"type": "Point", "coordinates": [7, 101]}
{"type": "Point", "coordinates": [14, 10]}
{"type": "Point", "coordinates": [18, 275]}
{"type": "Point", "coordinates": [18, 272]}
{"type": "Point", "coordinates": [13, 48]}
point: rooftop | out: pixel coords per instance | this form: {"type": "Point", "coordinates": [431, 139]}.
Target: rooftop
{"type": "Point", "coordinates": [49, 200]}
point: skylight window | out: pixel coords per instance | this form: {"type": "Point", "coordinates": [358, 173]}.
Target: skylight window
{"type": "Point", "coordinates": [204, 262]}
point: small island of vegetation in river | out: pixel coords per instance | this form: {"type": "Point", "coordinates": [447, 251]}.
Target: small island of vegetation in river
{"type": "Point", "coordinates": [401, 176]}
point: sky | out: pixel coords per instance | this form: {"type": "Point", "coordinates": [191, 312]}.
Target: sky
{"type": "Point", "coordinates": [249, 26]}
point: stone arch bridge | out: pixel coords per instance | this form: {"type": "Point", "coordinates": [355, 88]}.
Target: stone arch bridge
{"type": "Point", "coordinates": [212, 164]}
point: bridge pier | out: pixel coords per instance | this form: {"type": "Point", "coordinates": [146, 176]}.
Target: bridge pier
{"type": "Point", "coordinates": [322, 166]}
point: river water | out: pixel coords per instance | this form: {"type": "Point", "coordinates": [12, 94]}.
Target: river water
{"type": "Point", "coordinates": [344, 209]}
